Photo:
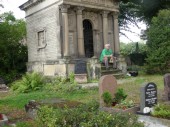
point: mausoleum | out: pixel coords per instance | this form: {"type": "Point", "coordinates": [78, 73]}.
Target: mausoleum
{"type": "Point", "coordinates": [62, 32]}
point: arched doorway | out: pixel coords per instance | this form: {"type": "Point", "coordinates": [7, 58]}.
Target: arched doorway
{"type": "Point", "coordinates": [88, 38]}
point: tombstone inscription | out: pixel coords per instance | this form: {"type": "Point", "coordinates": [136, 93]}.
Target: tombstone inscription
{"type": "Point", "coordinates": [80, 67]}
{"type": "Point", "coordinates": [148, 97]}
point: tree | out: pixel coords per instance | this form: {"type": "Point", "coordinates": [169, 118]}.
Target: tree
{"type": "Point", "coordinates": [158, 36]}
{"type": "Point", "coordinates": [13, 54]}
{"type": "Point", "coordinates": [134, 11]}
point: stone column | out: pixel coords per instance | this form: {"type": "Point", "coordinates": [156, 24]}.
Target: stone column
{"type": "Point", "coordinates": [116, 34]}
{"type": "Point", "coordinates": [64, 9]}
{"type": "Point", "coordinates": [105, 27]}
{"type": "Point", "coordinates": [80, 35]}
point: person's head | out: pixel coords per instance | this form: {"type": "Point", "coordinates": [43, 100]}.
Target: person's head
{"type": "Point", "coordinates": [107, 46]}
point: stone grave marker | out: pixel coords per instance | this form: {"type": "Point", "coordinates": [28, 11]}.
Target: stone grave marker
{"type": "Point", "coordinates": [167, 87]}
{"type": "Point", "coordinates": [80, 72]}
{"type": "Point", "coordinates": [148, 97]}
{"type": "Point", "coordinates": [107, 83]}
{"type": "Point", "coordinates": [3, 87]}
{"type": "Point", "coordinates": [2, 81]}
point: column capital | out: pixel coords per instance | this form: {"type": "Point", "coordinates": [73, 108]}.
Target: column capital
{"type": "Point", "coordinates": [64, 8]}
{"type": "Point", "coordinates": [79, 10]}
{"type": "Point", "coordinates": [105, 14]}
{"type": "Point", "coordinates": [115, 15]}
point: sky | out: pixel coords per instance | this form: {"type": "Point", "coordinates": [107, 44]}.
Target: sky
{"type": "Point", "coordinates": [13, 5]}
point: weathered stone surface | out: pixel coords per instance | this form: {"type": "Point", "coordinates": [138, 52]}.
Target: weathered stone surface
{"type": "Point", "coordinates": [81, 78]}
{"type": "Point", "coordinates": [107, 83]}
{"type": "Point", "coordinates": [167, 87]}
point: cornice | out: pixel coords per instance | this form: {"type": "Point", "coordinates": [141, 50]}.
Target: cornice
{"type": "Point", "coordinates": [30, 3]}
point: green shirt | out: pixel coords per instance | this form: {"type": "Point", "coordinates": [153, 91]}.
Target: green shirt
{"type": "Point", "coordinates": [104, 53]}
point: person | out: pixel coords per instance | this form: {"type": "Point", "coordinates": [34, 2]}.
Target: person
{"type": "Point", "coordinates": [107, 57]}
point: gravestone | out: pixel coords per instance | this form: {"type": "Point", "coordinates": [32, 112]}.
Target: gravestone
{"type": "Point", "coordinates": [2, 81]}
{"type": "Point", "coordinates": [80, 67]}
{"type": "Point", "coordinates": [167, 87]}
{"type": "Point", "coordinates": [107, 83]}
{"type": "Point", "coordinates": [3, 87]}
{"type": "Point", "coordinates": [80, 72]}
{"type": "Point", "coordinates": [148, 97]}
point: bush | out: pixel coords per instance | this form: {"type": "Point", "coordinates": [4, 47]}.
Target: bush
{"type": "Point", "coordinates": [107, 98]}
{"type": "Point", "coordinates": [62, 84]}
{"type": "Point", "coordinates": [161, 111]}
{"type": "Point", "coordinates": [86, 115]}
{"type": "Point", "coordinates": [29, 82]}
{"type": "Point", "coordinates": [120, 95]}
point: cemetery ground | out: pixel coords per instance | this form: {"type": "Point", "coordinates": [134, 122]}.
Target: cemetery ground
{"type": "Point", "coordinates": [12, 104]}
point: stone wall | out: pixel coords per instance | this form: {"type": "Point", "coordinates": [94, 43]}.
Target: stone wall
{"type": "Point", "coordinates": [47, 22]}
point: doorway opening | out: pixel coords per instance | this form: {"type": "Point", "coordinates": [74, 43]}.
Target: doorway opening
{"type": "Point", "coordinates": [88, 38]}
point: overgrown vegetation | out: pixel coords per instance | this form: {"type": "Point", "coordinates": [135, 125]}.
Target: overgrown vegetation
{"type": "Point", "coordinates": [120, 95]}
{"type": "Point", "coordinates": [161, 111]}
{"type": "Point", "coordinates": [107, 98]}
{"type": "Point", "coordinates": [30, 82]}
{"type": "Point", "coordinates": [86, 115]}
{"type": "Point", "coordinates": [14, 102]}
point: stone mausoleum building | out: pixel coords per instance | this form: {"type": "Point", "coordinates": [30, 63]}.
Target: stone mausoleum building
{"type": "Point", "coordinates": [62, 32]}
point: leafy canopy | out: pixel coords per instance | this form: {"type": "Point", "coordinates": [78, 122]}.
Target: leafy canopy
{"type": "Point", "coordinates": [13, 54]}
{"type": "Point", "coordinates": [159, 43]}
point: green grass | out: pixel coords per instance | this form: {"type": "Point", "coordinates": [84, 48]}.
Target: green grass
{"type": "Point", "coordinates": [132, 85]}
{"type": "Point", "coordinates": [12, 102]}
{"type": "Point", "coordinates": [19, 100]}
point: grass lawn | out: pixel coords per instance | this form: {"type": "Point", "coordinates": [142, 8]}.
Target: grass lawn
{"type": "Point", "coordinates": [11, 103]}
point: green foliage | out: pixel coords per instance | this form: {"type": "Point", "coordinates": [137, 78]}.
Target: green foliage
{"type": "Point", "coordinates": [158, 55]}
{"type": "Point", "coordinates": [125, 104]}
{"type": "Point", "coordinates": [86, 115]}
{"type": "Point", "coordinates": [46, 117]}
{"type": "Point", "coordinates": [120, 95]}
{"type": "Point", "coordinates": [107, 98]}
{"type": "Point", "coordinates": [13, 54]}
{"type": "Point", "coordinates": [135, 51]}
{"type": "Point", "coordinates": [62, 84]}
{"type": "Point", "coordinates": [161, 111]}
{"type": "Point", "coordinates": [29, 82]}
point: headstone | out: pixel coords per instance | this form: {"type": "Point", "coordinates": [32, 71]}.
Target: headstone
{"type": "Point", "coordinates": [148, 97]}
{"type": "Point", "coordinates": [80, 72]}
{"type": "Point", "coordinates": [80, 67]}
{"type": "Point", "coordinates": [3, 87]}
{"type": "Point", "coordinates": [2, 81]}
{"type": "Point", "coordinates": [107, 83]}
{"type": "Point", "coordinates": [167, 87]}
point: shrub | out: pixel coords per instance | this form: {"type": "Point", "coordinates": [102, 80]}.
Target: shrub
{"type": "Point", "coordinates": [107, 98]}
{"type": "Point", "coordinates": [62, 84]}
{"type": "Point", "coordinates": [120, 95]}
{"type": "Point", "coordinates": [29, 82]}
{"type": "Point", "coordinates": [86, 115]}
{"type": "Point", "coordinates": [162, 111]}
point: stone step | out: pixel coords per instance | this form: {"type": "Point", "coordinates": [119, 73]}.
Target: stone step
{"type": "Point", "coordinates": [117, 75]}
{"type": "Point", "coordinates": [111, 70]}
